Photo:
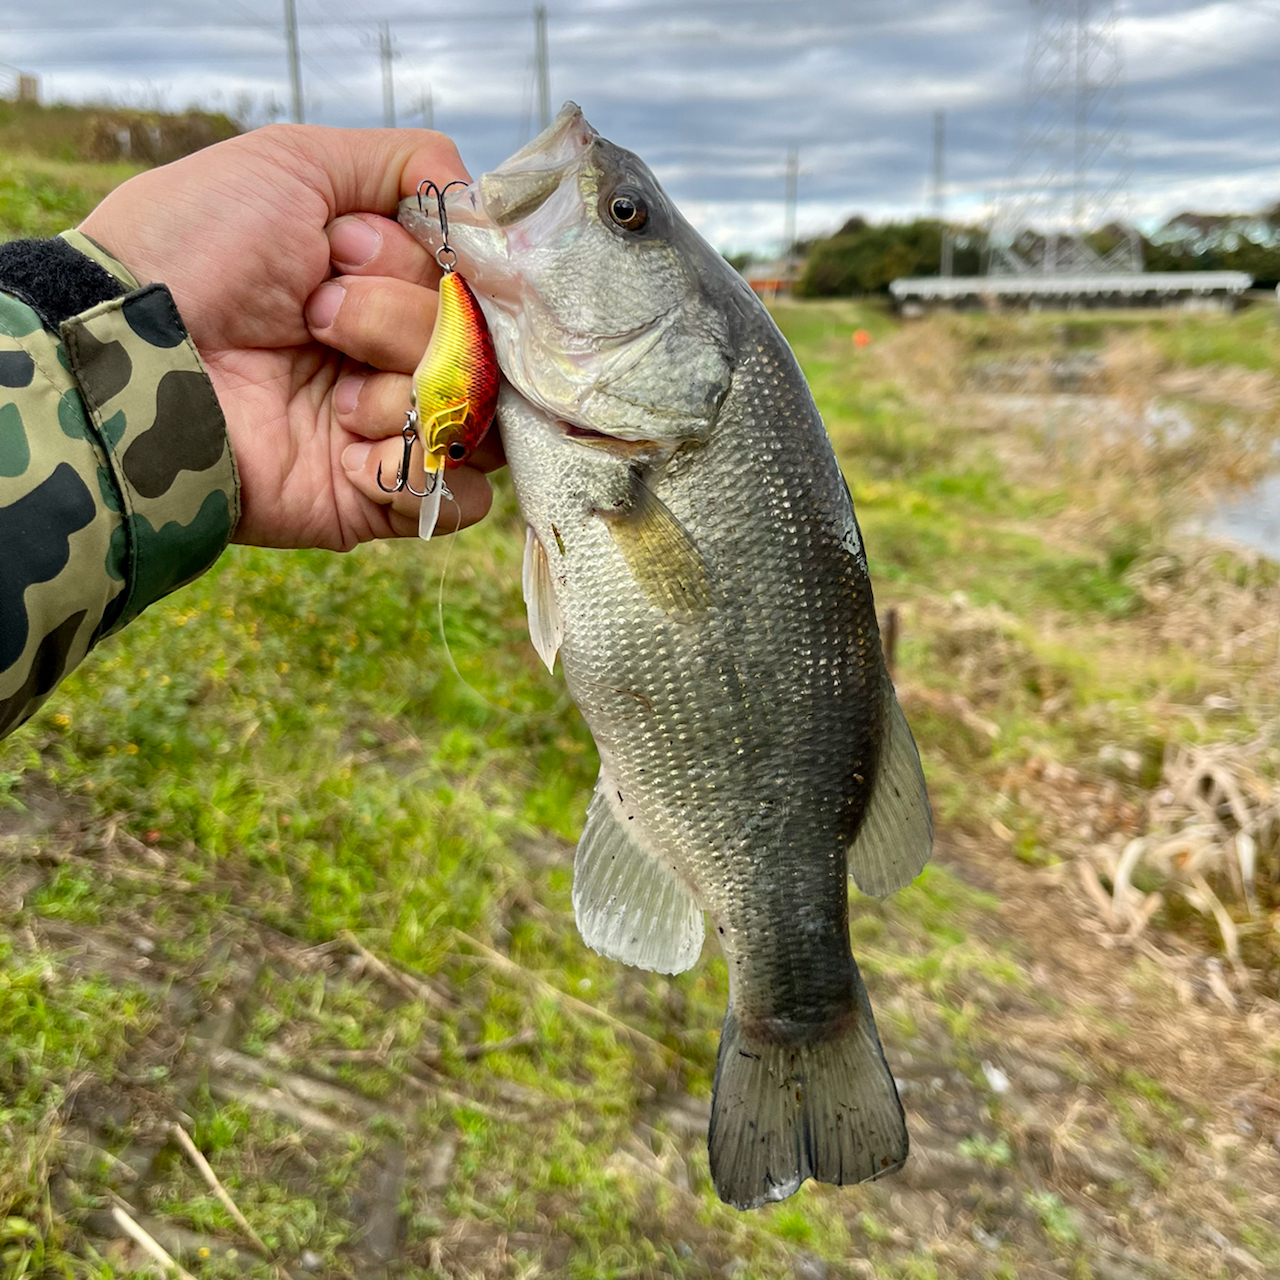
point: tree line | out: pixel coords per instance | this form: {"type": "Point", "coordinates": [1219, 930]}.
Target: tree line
{"type": "Point", "coordinates": [863, 257]}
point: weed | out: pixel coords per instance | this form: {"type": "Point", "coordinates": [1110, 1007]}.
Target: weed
{"type": "Point", "coordinates": [995, 1153]}
{"type": "Point", "coordinates": [1058, 1221]}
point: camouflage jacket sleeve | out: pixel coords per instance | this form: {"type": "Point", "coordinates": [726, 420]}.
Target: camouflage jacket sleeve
{"type": "Point", "coordinates": [117, 483]}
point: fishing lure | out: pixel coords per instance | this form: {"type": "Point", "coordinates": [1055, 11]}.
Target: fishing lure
{"type": "Point", "coordinates": [455, 386]}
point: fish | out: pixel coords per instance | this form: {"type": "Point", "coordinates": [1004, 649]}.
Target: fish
{"type": "Point", "coordinates": [693, 558]}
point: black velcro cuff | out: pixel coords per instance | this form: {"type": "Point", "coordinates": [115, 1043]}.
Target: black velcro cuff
{"type": "Point", "coordinates": [55, 280]}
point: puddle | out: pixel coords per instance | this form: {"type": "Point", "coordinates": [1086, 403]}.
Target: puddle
{"type": "Point", "coordinates": [1251, 519]}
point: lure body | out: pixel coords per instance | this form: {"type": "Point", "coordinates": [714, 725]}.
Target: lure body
{"type": "Point", "coordinates": [455, 387]}
{"type": "Point", "coordinates": [455, 391]}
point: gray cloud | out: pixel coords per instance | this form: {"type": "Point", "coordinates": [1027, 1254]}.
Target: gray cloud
{"type": "Point", "coordinates": [713, 93]}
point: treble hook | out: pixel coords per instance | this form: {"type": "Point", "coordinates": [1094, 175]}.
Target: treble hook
{"type": "Point", "coordinates": [427, 186]}
{"type": "Point", "coordinates": [409, 432]}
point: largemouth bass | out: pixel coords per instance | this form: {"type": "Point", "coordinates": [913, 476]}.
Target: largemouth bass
{"type": "Point", "coordinates": [693, 556]}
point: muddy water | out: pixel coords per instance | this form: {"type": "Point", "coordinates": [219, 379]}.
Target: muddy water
{"type": "Point", "coordinates": [1252, 518]}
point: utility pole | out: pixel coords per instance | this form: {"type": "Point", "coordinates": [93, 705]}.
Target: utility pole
{"type": "Point", "coordinates": [428, 108]}
{"type": "Point", "coordinates": [542, 69]}
{"type": "Point", "coordinates": [939, 200]}
{"type": "Point", "coordinates": [387, 50]}
{"type": "Point", "coordinates": [789, 222]}
{"type": "Point", "coordinates": [295, 58]}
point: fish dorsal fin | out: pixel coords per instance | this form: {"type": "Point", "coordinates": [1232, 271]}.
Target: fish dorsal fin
{"type": "Point", "coordinates": [896, 836]}
{"type": "Point", "coordinates": [628, 905]}
{"type": "Point", "coordinates": [546, 627]}
{"type": "Point", "coordinates": [660, 553]}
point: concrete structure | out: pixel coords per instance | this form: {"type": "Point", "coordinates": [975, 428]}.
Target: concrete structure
{"type": "Point", "coordinates": [1193, 290]}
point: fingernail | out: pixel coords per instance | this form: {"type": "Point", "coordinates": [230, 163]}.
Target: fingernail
{"type": "Point", "coordinates": [354, 456]}
{"type": "Point", "coordinates": [353, 242]}
{"type": "Point", "coordinates": [346, 394]}
{"type": "Point", "coordinates": [324, 304]}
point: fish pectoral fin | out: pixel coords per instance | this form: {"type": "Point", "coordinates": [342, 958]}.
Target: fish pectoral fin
{"type": "Point", "coordinates": [896, 836]}
{"type": "Point", "coordinates": [783, 1111]}
{"type": "Point", "coordinates": [546, 627]}
{"type": "Point", "coordinates": [629, 906]}
{"type": "Point", "coordinates": [660, 553]}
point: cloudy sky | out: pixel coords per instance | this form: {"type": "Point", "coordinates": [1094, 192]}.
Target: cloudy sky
{"type": "Point", "coordinates": [712, 93]}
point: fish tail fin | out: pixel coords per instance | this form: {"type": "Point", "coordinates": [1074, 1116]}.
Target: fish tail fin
{"type": "Point", "coordinates": [781, 1113]}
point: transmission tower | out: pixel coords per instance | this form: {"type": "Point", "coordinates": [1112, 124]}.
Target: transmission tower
{"type": "Point", "coordinates": [1070, 170]}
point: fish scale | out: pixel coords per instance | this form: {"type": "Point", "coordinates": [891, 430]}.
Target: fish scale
{"type": "Point", "coordinates": [694, 559]}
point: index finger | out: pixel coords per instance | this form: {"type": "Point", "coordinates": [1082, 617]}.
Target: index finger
{"type": "Point", "coordinates": [369, 170]}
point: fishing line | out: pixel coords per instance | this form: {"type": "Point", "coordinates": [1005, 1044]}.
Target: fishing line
{"type": "Point", "coordinates": [532, 716]}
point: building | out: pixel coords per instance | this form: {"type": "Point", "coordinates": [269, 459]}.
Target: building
{"type": "Point", "coordinates": [771, 279]}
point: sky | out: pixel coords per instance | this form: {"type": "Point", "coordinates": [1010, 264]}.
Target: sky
{"type": "Point", "coordinates": [713, 93]}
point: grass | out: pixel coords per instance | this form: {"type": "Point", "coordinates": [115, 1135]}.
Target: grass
{"type": "Point", "coordinates": [40, 197]}
{"type": "Point", "coordinates": [274, 774]}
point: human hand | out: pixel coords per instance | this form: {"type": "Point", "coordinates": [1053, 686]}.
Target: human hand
{"type": "Point", "coordinates": [310, 311]}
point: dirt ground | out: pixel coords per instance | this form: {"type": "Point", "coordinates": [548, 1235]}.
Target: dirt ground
{"type": "Point", "coordinates": [1021, 1163]}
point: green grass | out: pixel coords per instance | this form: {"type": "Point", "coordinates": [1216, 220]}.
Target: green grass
{"type": "Point", "coordinates": [1246, 338]}
{"type": "Point", "coordinates": [40, 197]}
{"type": "Point", "coordinates": [279, 756]}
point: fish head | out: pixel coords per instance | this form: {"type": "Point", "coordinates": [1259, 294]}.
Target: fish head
{"type": "Point", "coordinates": [608, 310]}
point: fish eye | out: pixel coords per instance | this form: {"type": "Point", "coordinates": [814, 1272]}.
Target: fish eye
{"type": "Point", "coordinates": [628, 210]}
{"type": "Point", "coordinates": [457, 451]}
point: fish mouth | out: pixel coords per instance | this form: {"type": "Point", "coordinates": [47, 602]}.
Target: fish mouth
{"type": "Point", "coordinates": [564, 139]}
{"type": "Point", "coordinates": [522, 184]}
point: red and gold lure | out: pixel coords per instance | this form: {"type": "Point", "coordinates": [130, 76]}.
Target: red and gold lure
{"type": "Point", "coordinates": [455, 386]}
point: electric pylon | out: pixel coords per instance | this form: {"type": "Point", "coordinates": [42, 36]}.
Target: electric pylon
{"type": "Point", "coordinates": [1070, 170]}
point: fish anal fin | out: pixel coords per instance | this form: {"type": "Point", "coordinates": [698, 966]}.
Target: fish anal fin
{"type": "Point", "coordinates": [546, 626]}
{"type": "Point", "coordinates": [629, 905]}
{"type": "Point", "coordinates": [896, 836]}
{"type": "Point", "coordinates": [660, 553]}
